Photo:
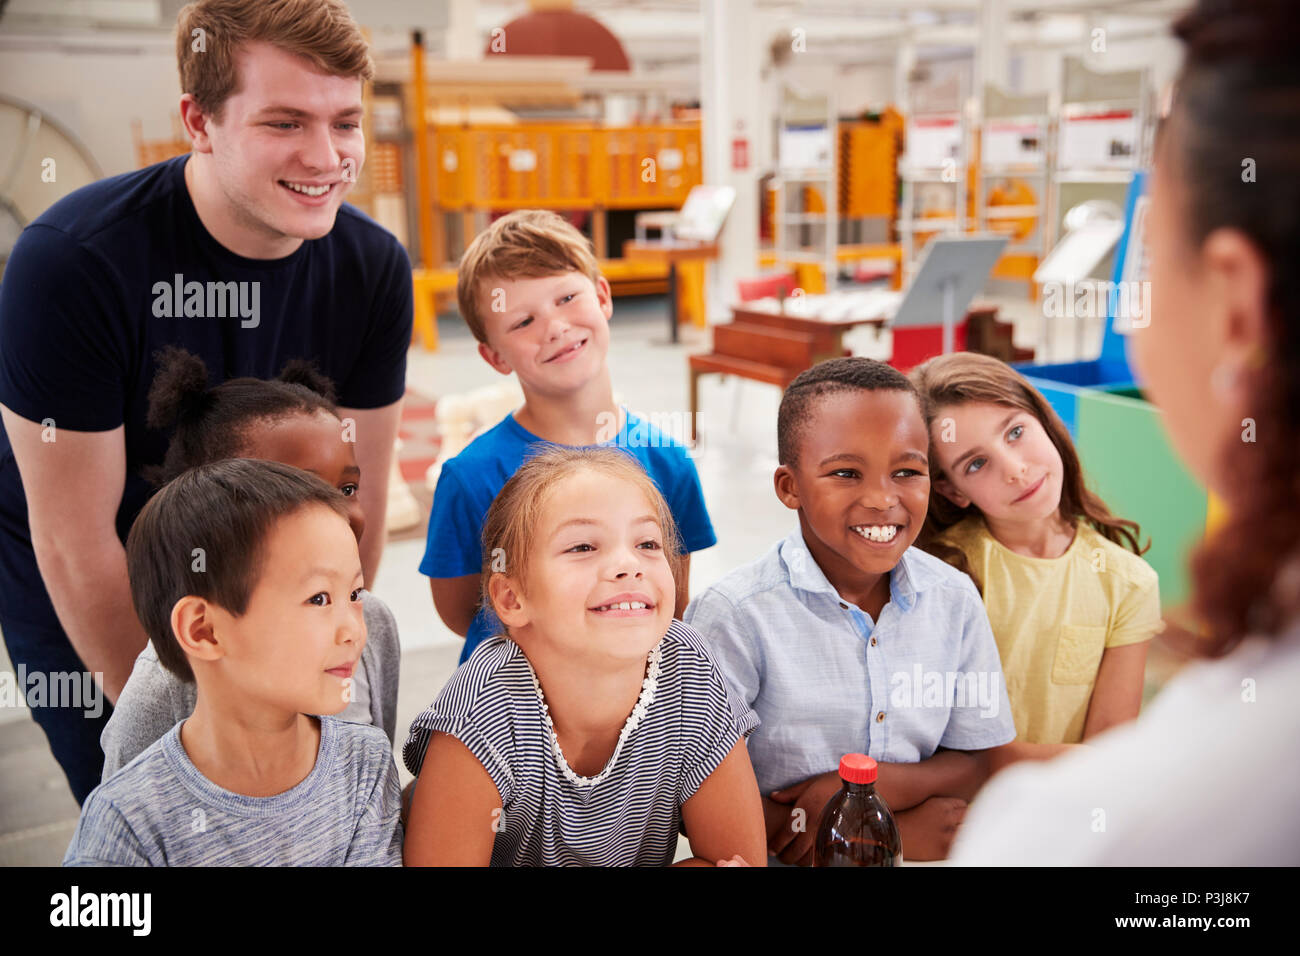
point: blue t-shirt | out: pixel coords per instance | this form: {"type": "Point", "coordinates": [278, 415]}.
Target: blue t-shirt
{"type": "Point", "coordinates": [470, 481]}
{"type": "Point", "coordinates": [105, 278]}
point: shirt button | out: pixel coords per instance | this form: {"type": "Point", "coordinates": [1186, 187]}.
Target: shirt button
{"type": "Point", "coordinates": [843, 605]}
{"type": "Point", "coordinates": [880, 716]}
{"type": "Point", "coordinates": [873, 642]}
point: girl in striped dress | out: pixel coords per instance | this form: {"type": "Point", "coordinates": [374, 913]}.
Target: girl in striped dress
{"type": "Point", "coordinates": [597, 726]}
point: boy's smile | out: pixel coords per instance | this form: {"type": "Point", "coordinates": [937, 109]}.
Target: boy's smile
{"type": "Point", "coordinates": [567, 351]}
{"type": "Point", "coordinates": [861, 486]}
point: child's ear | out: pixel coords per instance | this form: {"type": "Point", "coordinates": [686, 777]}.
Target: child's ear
{"type": "Point", "coordinates": [783, 481]}
{"type": "Point", "coordinates": [604, 297]}
{"type": "Point", "coordinates": [949, 491]}
{"type": "Point", "coordinates": [507, 601]}
{"type": "Point", "coordinates": [493, 358]}
{"type": "Point", "coordinates": [194, 624]}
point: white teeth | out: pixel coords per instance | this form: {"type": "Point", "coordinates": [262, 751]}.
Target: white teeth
{"type": "Point", "coordinates": [624, 606]}
{"type": "Point", "coordinates": [309, 190]}
{"type": "Point", "coordinates": [881, 533]}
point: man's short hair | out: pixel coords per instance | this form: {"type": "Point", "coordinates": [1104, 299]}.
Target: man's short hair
{"type": "Point", "coordinates": [526, 244]}
{"type": "Point", "coordinates": [209, 34]}
{"type": "Point", "coordinates": [205, 533]}
{"type": "Point", "coordinates": [854, 373]}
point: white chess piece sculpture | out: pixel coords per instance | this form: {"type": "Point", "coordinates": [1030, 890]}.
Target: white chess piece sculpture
{"type": "Point", "coordinates": [403, 510]}
{"type": "Point", "coordinates": [462, 418]}
{"type": "Point", "coordinates": [454, 418]}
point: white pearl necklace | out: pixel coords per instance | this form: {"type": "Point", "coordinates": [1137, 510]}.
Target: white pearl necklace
{"type": "Point", "coordinates": [638, 714]}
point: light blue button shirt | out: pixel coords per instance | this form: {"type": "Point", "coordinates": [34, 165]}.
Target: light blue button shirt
{"type": "Point", "coordinates": [827, 680]}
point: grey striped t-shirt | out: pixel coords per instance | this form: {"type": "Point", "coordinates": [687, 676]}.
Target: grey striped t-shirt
{"type": "Point", "coordinates": [159, 810]}
{"type": "Point", "coordinates": [632, 816]}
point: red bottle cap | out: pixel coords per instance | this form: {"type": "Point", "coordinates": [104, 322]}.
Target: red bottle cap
{"type": "Point", "coordinates": [858, 768]}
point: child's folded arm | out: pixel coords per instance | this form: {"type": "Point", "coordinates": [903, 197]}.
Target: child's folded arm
{"type": "Point", "coordinates": [949, 773]}
{"type": "Point", "coordinates": [998, 758]}
{"type": "Point", "coordinates": [724, 817]}
{"type": "Point", "coordinates": [953, 776]}
{"type": "Point", "coordinates": [455, 811]}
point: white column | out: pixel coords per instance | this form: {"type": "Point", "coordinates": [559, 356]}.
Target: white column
{"type": "Point", "coordinates": [730, 101]}
{"type": "Point", "coordinates": [462, 37]}
{"type": "Point", "coordinates": [904, 62]}
{"type": "Point", "coordinates": [991, 53]}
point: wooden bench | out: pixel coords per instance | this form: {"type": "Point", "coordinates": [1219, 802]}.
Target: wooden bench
{"type": "Point", "coordinates": [756, 352]}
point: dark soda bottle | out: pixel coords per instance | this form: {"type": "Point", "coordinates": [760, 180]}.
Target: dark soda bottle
{"type": "Point", "coordinates": [857, 828]}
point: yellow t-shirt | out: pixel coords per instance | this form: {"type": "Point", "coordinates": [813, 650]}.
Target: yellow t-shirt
{"type": "Point", "coordinates": [1053, 618]}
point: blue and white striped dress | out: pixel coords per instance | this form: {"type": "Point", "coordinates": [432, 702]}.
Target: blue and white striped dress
{"type": "Point", "coordinates": [632, 816]}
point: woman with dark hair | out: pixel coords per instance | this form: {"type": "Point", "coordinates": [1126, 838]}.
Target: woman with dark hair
{"type": "Point", "coordinates": [1206, 776]}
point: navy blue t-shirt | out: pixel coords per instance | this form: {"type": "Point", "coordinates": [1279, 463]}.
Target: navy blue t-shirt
{"type": "Point", "coordinates": [105, 278]}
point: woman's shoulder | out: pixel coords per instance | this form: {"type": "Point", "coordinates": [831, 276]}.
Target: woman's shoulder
{"type": "Point", "coordinates": [1207, 716]}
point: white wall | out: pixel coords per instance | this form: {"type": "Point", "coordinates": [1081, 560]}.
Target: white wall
{"type": "Point", "coordinates": [96, 94]}
{"type": "Point", "coordinates": [866, 87]}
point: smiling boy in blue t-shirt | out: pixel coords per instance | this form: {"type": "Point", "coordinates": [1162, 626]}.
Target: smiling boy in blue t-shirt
{"type": "Point", "coordinates": [531, 292]}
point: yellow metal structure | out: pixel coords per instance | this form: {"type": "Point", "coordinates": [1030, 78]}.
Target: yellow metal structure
{"type": "Point", "coordinates": [849, 253]}
{"type": "Point", "coordinates": [150, 151]}
{"type": "Point", "coordinates": [868, 163]}
{"type": "Point", "coordinates": [564, 166]}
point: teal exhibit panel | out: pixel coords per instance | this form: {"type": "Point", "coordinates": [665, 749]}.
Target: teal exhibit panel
{"type": "Point", "coordinates": [1128, 461]}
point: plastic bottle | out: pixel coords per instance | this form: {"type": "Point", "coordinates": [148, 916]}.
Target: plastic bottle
{"type": "Point", "coordinates": [857, 828]}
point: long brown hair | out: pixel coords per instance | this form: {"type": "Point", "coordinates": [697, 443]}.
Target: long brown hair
{"type": "Point", "coordinates": [1237, 96]}
{"type": "Point", "coordinates": [968, 377]}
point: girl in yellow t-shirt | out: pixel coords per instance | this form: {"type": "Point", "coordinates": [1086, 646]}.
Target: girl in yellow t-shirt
{"type": "Point", "coordinates": [1071, 603]}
